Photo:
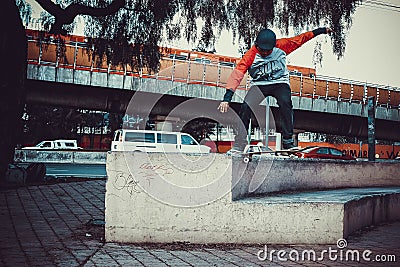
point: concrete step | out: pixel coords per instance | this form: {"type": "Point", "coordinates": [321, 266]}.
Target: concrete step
{"type": "Point", "coordinates": [358, 207]}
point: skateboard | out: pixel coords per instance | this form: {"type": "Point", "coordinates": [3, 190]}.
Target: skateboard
{"type": "Point", "coordinates": [284, 152]}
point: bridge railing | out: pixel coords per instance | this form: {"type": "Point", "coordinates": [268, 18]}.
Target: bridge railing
{"type": "Point", "coordinates": [344, 90]}
{"type": "Point", "coordinates": [205, 69]}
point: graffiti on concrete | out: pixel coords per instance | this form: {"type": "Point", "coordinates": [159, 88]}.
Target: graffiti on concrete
{"type": "Point", "coordinates": [124, 181]}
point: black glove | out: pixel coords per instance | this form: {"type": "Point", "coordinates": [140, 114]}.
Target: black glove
{"type": "Point", "coordinates": [228, 95]}
{"type": "Point", "coordinates": [319, 31]}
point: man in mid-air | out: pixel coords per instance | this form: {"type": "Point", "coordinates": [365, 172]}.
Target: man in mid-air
{"type": "Point", "coordinates": [266, 64]}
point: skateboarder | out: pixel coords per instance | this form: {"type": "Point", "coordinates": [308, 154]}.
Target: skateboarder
{"type": "Point", "coordinates": [266, 64]}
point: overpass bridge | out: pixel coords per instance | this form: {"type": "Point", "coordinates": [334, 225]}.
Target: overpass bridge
{"type": "Point", "coordinates": [321, 104]}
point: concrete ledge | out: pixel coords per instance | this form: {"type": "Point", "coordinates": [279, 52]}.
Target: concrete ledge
{"type": "Point", "coordinates": [166, 198]}
{"type": "Point", "coordinates": [58, 156]}
{"type": "Point", "coordinates": [359, 207]}
{"type": "Point", "coordinates": [371, 209]}
{"type": "Point", "coordinates": [267, 175]}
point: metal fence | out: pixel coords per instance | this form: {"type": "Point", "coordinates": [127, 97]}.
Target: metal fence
{"type": "Point", "coordinates": [199, 68]}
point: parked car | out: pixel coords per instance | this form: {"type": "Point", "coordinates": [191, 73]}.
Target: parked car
{"type": "Point", "coordinates": [318, 152]}
{"type": "Point", "coordinates": [56, 144]}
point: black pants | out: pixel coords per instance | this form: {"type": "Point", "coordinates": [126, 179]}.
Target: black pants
{"type": "Point", "coordinates": [254, 96]}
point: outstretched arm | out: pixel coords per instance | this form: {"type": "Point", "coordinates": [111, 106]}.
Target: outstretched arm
{"type": "Point", "coordinates": [290, 44]}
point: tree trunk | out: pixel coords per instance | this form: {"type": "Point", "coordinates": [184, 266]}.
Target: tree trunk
{"type": "Point", "coordinates": [13, 51]}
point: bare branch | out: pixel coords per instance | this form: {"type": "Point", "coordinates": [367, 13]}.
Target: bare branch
{"type": "Point", "coordinates": [67, 15]}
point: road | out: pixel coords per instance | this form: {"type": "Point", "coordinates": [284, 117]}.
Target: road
{"type": "Point", "coordinates": [74, 170]}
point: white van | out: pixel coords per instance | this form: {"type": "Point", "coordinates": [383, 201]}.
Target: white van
{"type": "Point", "coordinates": [156, 141]}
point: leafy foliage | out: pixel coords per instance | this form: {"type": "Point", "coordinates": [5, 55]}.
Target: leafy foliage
{"type": "Point", "coordinates": [200, 128]}
{"type": "Point", "coordinates": [132, 35]}
{"type": "Point", "coordinates": [48, 123]}
{"type": "Point", "coordinates": [25, 11]}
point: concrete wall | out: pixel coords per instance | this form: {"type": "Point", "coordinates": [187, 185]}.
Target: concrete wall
{"type": "Point", "coordinates": [265, 175]}
{"type": "Point", "coordinates": [58, 156]}
{"type": "Point", "coordinates": [169, 197]}
{"type": "Point", "coordinates": [155, 197]}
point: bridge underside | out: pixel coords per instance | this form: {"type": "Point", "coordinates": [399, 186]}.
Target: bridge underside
{"type": "Point", "coordinates": [147, 103]}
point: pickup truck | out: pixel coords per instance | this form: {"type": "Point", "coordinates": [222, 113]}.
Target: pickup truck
{"type": "Point", "coordinates": [56, 144]}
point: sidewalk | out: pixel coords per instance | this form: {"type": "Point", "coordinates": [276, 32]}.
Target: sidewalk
{"type": "Point", "coordinates": [50, 225]}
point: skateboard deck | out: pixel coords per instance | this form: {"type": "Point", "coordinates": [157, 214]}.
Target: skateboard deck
{"type": "Point", "coordinates": [284, 152]}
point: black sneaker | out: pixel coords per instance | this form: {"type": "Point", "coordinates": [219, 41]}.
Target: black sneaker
{"type": "Point", "coordinates": [289, 145]}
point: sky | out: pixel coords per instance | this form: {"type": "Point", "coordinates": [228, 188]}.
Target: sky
{"type": "Point", "coordinates": [372, 49]}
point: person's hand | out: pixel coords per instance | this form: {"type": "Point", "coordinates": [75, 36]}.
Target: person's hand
{"type": "Point", "coordinates": [329, 31]}
{"type": "Point", "coordinates": [223, 107]}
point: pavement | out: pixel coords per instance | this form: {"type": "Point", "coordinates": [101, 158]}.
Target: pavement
{"type": "Point", "coordinates": [61, 224]}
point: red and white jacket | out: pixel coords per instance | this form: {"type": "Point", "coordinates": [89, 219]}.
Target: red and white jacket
{"type": "Point", "coordinates": [267, 70]}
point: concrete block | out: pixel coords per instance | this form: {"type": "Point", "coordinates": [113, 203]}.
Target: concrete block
{"type": "Point", "coordinates": [65, 75]}
{"type": "Point", "coordinates": [265, 175]}
{"type": "Point", "coordinates": [44, 156]}
{"type": "Point", "coordinates": [331, 106]}
{"type": "Point", "coordinates": [83, 77]}
{"type": "Point", "coordinates": [296, 102]}
{"type": "Point", "coordinates": [58, 156]}
{"type": "Point", "coordinates": [86, 157]}
{"type": "Point", "coordinates": [306, 103]}
{"type": "Point", "coordinates": [355, 109]}
{"type": "Point", "coordinates": [127, 82]}
{"type": "Point", "coordinates": [31, 72]}
{"type": "Point", "coordinates": [361, 206]}
{"type": "Point", "coordinates": [381, 113]}
{"type": "Point", "coordinates": [319, 105]}
{"type": "Point", "coordinates": [343, 107]}
{"type": "Point", "coordinates": [99, 79]}
{"type": "Point", "coordinates": [170, 197]}
{"type": "Point", "coordinates": [371, 210]}
{"type": "Point", "coordinates": [394, 114]}
{"type": "Point", "coordinates": [166, 198]}
{"type": "Point", "coordinates": [47, 73]}
{"type": "Point", "coordinates": [115, 81]}
{"type": "Point", "coordinates": [219, 93]}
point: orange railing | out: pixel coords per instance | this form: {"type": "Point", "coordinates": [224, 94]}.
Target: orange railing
{"type": "Point", "coordinates": [207, 69]}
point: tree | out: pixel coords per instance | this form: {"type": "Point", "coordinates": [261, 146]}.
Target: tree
{"type": "Point", "coordinates": [132, 30]}
{"type": "Point", "coordinates": [47, 123]}
{"type": "Point", "coordinates": [200, 128]}
{"type": "Point", "coordinates": [12, 80]}
{"type": "Point", "coordinates": [115, 25]}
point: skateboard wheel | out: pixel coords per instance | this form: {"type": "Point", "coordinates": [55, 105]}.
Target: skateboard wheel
{"type": "Point", "coordinates": [246, 160]}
